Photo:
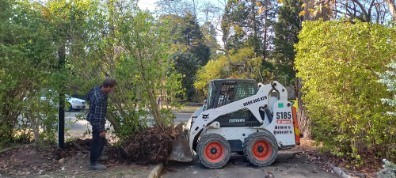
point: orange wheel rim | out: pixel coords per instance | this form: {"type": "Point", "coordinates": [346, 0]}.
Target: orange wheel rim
{"type": "Point", "coordinates": [214, 152]}
{"type": "Point", "coordinates": [261, 150]}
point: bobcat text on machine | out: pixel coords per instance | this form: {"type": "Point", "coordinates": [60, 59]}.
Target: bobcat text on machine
{"type": "Point", "coordinates": [241, 116]}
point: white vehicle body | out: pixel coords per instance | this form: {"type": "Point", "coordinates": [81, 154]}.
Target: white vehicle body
{"type": "Point", "coordinates": [213, 133]}
{"type": "Point", "coordinates": [72, 103]}
{"type": "Point", "coordinates": [281, 125]}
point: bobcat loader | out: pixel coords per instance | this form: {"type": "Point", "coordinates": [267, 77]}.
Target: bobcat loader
{"type": "Point", "coordinates": [240, 116]}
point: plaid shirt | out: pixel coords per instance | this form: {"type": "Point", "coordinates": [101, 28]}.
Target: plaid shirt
{"type": "Point", "coordinates": [97, 108]}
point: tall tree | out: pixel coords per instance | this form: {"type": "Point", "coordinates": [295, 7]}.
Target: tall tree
{"type": "Point", "coordinates": [189, 48]}
{"type": "Point", "coordinates": [250, 24]}
{"type": "Point", "coordinates": [245, 65]}
{"type": "Point", "coordinates": [232, 25]}
{"type": "Point", "coordinates": [209, 35]}
{"type": "Point", "coordinates": [286, 30]}
{"type": "Point", "coordinates": [190, 37]}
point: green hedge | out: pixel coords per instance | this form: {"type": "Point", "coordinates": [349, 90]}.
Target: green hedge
{"type": "Point", "coordinates": [338, 62]}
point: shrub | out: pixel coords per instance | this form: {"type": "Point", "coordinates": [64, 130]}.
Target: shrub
{"type": "Point", "coordinates": [337, 62]}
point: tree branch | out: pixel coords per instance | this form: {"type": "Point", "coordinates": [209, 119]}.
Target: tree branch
{"type": "Point", "coordinates": [361, 7]}
{"type": "Point", "coordinates": [369, 10]}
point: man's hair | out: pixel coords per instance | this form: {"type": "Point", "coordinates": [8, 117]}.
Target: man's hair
{"type": "Point", "coordinates": [109, 82]}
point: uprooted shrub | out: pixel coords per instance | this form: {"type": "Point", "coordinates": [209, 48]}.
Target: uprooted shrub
{"type": "Point", "coordinates": [151, 145]}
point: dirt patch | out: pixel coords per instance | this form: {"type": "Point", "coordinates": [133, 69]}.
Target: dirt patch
{"type": "Point", "coordinates": [312, 151]}
{"type": "Point", "coordinates": [48, 161]}
{"type": "Point", "coordinates": [152, 145]}
{"type": "Point", "coordinates": [27, 160]}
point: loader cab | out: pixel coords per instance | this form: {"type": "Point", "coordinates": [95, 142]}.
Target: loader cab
{"type": "Point", "coordinates": [225, 91]}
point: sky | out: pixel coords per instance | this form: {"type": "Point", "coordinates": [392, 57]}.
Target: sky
{"type": "Point", "coordinates": [147, 4]}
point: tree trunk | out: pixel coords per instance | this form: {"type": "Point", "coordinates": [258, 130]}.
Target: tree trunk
{"type": "Point", "coordinates": [392, 8]}
{"type": "Point", "coordinates": [265, 33]}
{"type": "Point", "coordinates": [255, 29]}
{"type": "Point", "coordinates": [36, 130]}
{"type": "Point", "coordinates": [303, 120]}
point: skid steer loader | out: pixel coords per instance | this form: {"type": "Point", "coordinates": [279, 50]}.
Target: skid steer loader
{"type": "Point", "coordinates": [240, 116]}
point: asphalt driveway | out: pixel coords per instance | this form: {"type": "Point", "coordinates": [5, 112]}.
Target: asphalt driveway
{"type": "Point", "coordinates": [289, 164]}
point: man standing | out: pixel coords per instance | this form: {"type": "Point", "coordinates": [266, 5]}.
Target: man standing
{"type": "Point", "coordinates": [97, 98]}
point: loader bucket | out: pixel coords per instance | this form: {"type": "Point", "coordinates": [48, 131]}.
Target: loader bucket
{"type": "Point", "coordinates": [181, 150]}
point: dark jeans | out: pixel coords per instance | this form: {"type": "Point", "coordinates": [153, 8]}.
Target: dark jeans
{"type": "Point", "coordinates": [96, 146]}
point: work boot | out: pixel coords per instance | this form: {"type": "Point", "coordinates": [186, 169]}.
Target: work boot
{"type": "Point", "coordinates": [97, 166]}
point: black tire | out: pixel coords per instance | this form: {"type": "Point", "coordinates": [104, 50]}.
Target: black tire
{"type": "Point", "coordinates": [68, 106]}
{"type": "Point", "coordinates": [213, 151]}
{"type": "Point", "coordinates": [260, 148]}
